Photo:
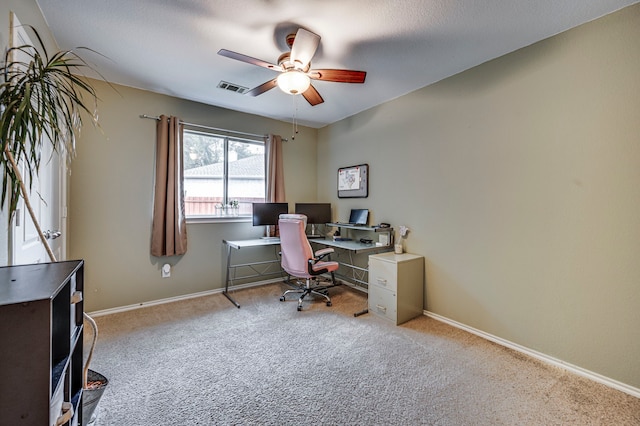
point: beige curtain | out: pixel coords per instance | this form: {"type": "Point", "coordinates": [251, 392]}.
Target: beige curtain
{"type": "Point", "coordinates": [275, 170]}
{"type": "Point", "coordinates": [169, 230]}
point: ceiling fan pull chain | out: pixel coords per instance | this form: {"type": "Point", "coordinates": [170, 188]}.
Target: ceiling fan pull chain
{"type": "Point", "coordinates": [294, 121]}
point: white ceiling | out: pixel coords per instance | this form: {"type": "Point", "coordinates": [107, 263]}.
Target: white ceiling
{"type": "Point", "coordinates": [170, 46]}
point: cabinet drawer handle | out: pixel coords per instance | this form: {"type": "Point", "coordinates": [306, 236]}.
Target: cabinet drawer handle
{"type": "Point", "coordinates": [381, 308]}
{"type": "Point", "coordinates": [76, 297]}
{"type": "Point", "coordinates": [382, 281]}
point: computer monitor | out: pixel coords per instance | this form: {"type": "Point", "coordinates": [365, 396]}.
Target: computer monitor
{"type": "Point", "coordinates": [316, 213]}
{"type": "Point", "coordinates": [267, 214]}
{"type": "Point", "coordinates": [359, 216]}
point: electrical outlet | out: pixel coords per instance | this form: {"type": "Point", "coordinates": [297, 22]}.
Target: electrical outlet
{"type": "Point", "coordinates": [166, 270]}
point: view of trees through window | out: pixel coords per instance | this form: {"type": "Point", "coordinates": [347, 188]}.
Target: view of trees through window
{"type": "Point", "coordinates": [223, 176]}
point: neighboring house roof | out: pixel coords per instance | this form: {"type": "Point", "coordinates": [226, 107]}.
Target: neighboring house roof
{"type": "Point", "coordinates": [245, 167]}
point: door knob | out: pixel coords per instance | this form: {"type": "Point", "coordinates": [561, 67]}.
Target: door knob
{"type": "Point", "coordinates": [51, 235]}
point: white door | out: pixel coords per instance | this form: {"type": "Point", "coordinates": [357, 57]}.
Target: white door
{"type": "Point", "coordinates": [47, 196]}
{"type": "Point", "coordinates": [47, 201]}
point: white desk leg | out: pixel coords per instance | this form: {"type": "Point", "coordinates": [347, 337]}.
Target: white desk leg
{"type": "Point", "coordinates": [226, 281]}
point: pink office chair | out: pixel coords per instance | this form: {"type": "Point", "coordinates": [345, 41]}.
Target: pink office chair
{"type": "Point", "coordinates": [299, 260]}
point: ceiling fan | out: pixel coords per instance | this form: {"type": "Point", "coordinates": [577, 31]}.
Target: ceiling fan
{"type": "Point", "coordinates": [295, 68]}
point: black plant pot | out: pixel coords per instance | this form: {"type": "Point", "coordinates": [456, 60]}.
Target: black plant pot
{"type": "Point", "coordinates": [91, 397]}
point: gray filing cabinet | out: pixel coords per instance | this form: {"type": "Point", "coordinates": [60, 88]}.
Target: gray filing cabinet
{"type": "Point", "coordinates": [396, 286]}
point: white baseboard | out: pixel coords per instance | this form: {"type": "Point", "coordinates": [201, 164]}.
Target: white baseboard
{"type": "Point", "coordinates": [177, 298]}
{"type": "Point", "coordinates": [633, 391]}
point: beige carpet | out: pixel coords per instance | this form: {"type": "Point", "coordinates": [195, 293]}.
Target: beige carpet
{"type": "Point", "coordinates": [205, 362]}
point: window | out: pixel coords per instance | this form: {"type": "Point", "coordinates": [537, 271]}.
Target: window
{"type": "Point", "coordinates": [223, 175]}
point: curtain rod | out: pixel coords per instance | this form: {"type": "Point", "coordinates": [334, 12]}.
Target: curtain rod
{"type": "Point", "coordinates": [212, 128]}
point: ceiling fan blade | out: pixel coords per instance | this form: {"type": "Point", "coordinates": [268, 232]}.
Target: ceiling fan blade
{"type": "Point", "coordinates": [263, 88]}
{"type": "Point", "coordinates": [248, 59]}
{"type": "Point", "coordinates": [340, 76]}
{"type": "Point", "coordinates": [304, 47]}
{"type": "Point", "coordinates": [312, 96]}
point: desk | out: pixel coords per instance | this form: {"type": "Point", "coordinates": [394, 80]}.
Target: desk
{"type": "Point", "coordinates": [355, 246]}
{"type": "Point", "coordinates": [352, 247]}
{"type": "Point", "coordinates": [239, 244]}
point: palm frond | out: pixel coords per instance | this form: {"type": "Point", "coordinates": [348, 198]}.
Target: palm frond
{"type": "Point", "coordinates": [42, 97]}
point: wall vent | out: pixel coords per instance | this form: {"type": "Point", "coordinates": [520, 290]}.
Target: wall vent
{"type": "Point", "coordinates": [232, 87]}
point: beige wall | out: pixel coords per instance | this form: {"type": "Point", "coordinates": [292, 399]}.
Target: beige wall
{"type": "Point", "coordinates": [520, 182]}
{"type": "Point", "coordinates": [112, 193]}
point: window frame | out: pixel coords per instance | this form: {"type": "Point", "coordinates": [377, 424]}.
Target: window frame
{"type": "Point", "coordinates": [226, 138]}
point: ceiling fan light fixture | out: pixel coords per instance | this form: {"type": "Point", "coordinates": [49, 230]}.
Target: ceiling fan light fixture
{"type": "Point", "coordinates": [295, 69]}
{"type": "Point", "coordinates": [293, 82]}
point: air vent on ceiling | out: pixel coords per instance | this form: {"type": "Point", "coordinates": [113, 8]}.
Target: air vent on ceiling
{"type": "Point", "coordinates": [232, 87]}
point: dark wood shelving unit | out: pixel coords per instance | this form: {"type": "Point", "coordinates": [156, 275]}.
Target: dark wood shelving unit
{"type": "Point", "coordinates": [41, 333]}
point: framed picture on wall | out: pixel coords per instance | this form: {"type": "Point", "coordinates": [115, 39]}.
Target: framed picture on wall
{"type": "Point", "coordinates": [353, 181]}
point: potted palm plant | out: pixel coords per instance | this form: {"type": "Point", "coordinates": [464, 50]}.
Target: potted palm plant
{"type": "Point", "coordinates": [42, 100]}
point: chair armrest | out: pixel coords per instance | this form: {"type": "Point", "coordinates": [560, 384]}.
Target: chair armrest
{"type": "Point", "coordinates": [323, 252]}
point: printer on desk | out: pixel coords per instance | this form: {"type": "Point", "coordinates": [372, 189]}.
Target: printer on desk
{"type": "Point", "coordinates": [383, 240]}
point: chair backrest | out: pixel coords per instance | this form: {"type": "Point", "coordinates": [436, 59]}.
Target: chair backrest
{"type": "Point", "coordinates": [294, 245]}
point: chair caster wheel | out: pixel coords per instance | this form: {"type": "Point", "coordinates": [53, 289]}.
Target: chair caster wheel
{"type": "Point", "coordinates": [328, 303]}
{"type": "Point", "coordinates": [282, 298]}
{"type": "Point", "coordinates": [299, 308]}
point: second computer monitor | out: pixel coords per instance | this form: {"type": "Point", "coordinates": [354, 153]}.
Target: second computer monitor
{"type": "Point", "coordinates": [316, 213]}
